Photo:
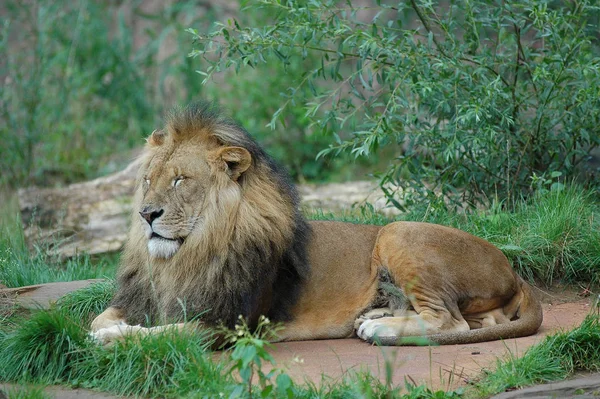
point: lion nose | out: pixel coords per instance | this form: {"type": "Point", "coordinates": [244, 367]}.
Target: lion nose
{"type": "Point", "coordinates": [151, 216]}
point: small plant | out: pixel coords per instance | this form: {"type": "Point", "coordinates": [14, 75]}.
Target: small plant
{"type": "Point", "coordinates": [27, 393]}
{"type": "Point", "coordinates": [250, 354]}
{"type": "Point", "coordinates": [541, 184]}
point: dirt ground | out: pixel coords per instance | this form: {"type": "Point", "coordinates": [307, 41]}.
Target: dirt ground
{"type": "Point", "coordinates": [440, 367]}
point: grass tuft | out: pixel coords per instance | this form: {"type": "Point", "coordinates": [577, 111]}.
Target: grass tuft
{"type": "Point", "coordinates": [553, 359]}
{"type": "Point", "coordinates": [42, 348]}
{"type": "Point", "coordinates": [169, 364]}
{"type": "Point", "coordinates": [27, 393]}
{"type": "Point", "coordinates": [87, 303]}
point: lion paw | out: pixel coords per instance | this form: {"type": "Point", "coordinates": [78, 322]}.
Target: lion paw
{"type": "Point", "coordinates": [372, 314]}
{"type": "Point", "coordinates": [109, 335]}
{"type": "Point", "coordinates": [374, 328]}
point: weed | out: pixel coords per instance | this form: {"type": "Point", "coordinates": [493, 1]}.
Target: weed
{"type": "Point", "coordinates": [249, 354]}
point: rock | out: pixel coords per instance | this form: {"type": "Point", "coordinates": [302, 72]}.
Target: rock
{"type": "Point", "coordinates": [89, 217]}
{"type": "Point", "coordinates": [41, 296]}
{"type": "Point", "coordinates": [586, 387]}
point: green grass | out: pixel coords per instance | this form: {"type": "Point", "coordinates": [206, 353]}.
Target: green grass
{"type": "Point", "coordinates": [87, 303]}
{"type": "Point", "coordinates": [28, 392]}
{"type": "Point", "coordinates": [20, 266]}
{"type": "Point", "coordinates": [41, 348]}
{"type": "Point", "coordinates": [52, 347]}
{"type": "Point", "coordinates": [555, 358]}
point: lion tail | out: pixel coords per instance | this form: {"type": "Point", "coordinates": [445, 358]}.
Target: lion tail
{"type": "Point", "coordinates": [530, 318]}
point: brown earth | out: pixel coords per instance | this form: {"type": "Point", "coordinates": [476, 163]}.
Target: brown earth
{"type": "Point", "coordinates": [439, 367]}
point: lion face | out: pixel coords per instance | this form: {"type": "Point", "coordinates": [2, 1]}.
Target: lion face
{"type": "Point", "coordinates": [176, 185]}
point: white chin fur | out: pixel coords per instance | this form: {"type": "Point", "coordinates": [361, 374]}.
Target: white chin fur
{"type": "Point", "coordinates": [161, 248]}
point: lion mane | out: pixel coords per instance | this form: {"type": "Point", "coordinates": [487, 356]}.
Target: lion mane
{"type": "Point", "coordinates": [248, 259]}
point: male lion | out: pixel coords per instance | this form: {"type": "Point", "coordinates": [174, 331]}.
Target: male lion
{"type": "Point", "coordinates": [216, 233]}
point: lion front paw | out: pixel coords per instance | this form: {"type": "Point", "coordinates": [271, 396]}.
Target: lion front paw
{"type": "Point", "coordinates": [372, 314]}
{"type": "Point", "coordinates": [382, 329]}
{"type": "Point", "coordinates": [109, 335]}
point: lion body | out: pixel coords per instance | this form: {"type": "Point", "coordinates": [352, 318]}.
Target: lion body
{"type": "Point", "coordinates": [217, 233]}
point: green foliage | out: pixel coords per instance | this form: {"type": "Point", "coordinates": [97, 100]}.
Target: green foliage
{"type": "Point", "coordinates": [473, 99]}
{"type": "Point", "coordinates": [249, 354]}
{"type": "Point", "coordinates": [554, 359]}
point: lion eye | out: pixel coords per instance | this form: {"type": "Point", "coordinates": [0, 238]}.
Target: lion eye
{"type": "Point", "coordinates": [177, 180]}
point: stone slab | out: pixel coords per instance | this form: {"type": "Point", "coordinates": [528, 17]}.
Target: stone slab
{"type": "Point", "coordinates": [587, 387]}
{"type": "Point", "coordinates": [42, 295]}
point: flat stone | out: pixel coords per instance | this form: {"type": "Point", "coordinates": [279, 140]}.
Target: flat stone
{"type": "Point", "coordinates": [59, 392]}
{"type": "Point", "coordinates": [587, 387]}
{"type": "Point", "coordinates": [42, 295]}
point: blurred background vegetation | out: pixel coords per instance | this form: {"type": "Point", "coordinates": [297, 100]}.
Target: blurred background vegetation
{"type": "Point", "coordinates": [465, 101]}
{"type": "Point", "coordinates": [84, 82]}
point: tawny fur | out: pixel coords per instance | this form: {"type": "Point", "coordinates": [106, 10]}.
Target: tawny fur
{"type": "Point", "coordinates": [226, 238]}
{"type": "Point", "coordinates": [232, 258]}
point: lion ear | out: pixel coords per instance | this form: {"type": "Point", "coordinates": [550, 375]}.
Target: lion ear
{"type": "Point", "coordinates": [233, 160]}
{"type": "Point", "coordinates": [156, 138]}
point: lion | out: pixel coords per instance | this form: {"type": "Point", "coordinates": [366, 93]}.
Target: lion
{"type": "Point", "coordinates": [217, 233]}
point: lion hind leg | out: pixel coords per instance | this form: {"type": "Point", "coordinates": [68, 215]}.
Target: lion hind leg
{"type": "Point", "coordinates": [487, 319]}
{"type": "Point", "coordinates": [392, 329]}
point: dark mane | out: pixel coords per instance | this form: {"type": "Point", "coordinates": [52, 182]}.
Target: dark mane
{"type": "Point", "coordinates": [259, 275]}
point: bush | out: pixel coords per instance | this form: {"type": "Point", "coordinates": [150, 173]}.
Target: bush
{"type": "Point", "coordinates": [474, 98]}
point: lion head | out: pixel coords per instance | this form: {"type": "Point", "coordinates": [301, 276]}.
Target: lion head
{"type": "Point", "coordinates": [215, 223]}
